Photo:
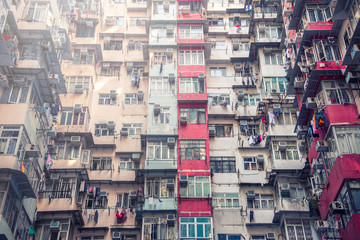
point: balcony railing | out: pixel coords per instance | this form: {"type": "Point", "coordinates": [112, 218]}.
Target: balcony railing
{"type": "Point", "coordinates": [191, 35]}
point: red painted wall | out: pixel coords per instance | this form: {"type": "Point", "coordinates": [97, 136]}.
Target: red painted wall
{"type": "Point", "coordinates": [329, 65]}
{"type": "Point", "coordinates": [341, 114]}
{"type": "Point", "coordinates": [195, 207]}
{"type": "Point", "coordinates": [347, 167]}
{"type": "Point", "coordinates": [319, 26]}
{"type": "Point", "coordinates": [352, 230]}
{"type": "Point", "coordinates": [197, 165]}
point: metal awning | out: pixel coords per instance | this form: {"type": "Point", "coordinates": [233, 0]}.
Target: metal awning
{"type": "Point", "coordinates": [21, 181]}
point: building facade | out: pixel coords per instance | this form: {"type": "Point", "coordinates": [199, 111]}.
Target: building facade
{"type": "Point", "coordinates": [140, 119]}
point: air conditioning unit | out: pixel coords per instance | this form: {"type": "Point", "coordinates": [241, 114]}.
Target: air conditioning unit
{"type": "Point", "coordinates": [321, 225]}
{"type": "Point", "coordinates": [3, 80]}
{"type": "Point", "coordinates": [183, 119]}
{"type": "Point", "coordinates": [171, 219]}
{"type": "Point", "coordinates": [157, 109]}
{"type": "Point", "coordinates": [106, 64]}
{"type": "Point", "coordinates": [54, 225]}
{"type": "Point", "coordinates": [270, 236]}
{"type": "Point", "coordinates": [110, 124]}
{"type": "Point", "coordinates": [171, 77]}
{"type": "Point", "coordinates": [282, 146]}
{"type": "Point", "coordinates": [260, 158]}
{"type": "Point", "coordinates": [140, 95]}
{"type": "Point", "coordinates": [79, 88]}
{"type": "Point", "coordinates": [336, 207]}
{"type": "Point", "coordinates": [285, 187]}
{"type": "Point", "coordinates": [116, 235]}
{"type": "Point", "coordinates": [251, 194]}
{"type": "Point", "coordinates": [171, 141]}
{"type": "Point", "coordinates": [20, 80]}
{"type": "Point", "coordinates": [124, 132]}
{"type": "Point", "coordinates": [54, 176]}
{"type": "Point", "coordinates": [299, 83]}
{"type": "Point", "coordinates": [237, 67]}
{"type": "Point", "coordinates": [135, 156]}
{"type": "Point", "coordinates": [183, 180]}
{"type": "Point", "coordinates": [311, 103]}
{"type": "Point", "coordinates": [240, 94]}
{"type": "Point", "coordinates": [302, 146]}
{"type": "Point", "coordinates": [243, 123]}
{"type": "Point", "coordinates": [133, 194]}
{"type": "Point", "coordinates": [235, 45]}
{"type": "Point", "coordinates": [166, 4]}
{"type": "Point", "coordinates": [75, 139]}
{"type": "Point", "coordinates": [32, 150]}
{"type": "Point", "coordinates": [201, 76]}
{"type": "Point", "coordinates": [113, 92]}
{"type": "Point", "coordinates": [276, 106]}
{"type": "Point", "coordinates": [170, 184]}
{"type": "Point", "coordinates": [77, 108]}
{"type": "Point", "coordinates": [212, 131]}
{"type": "Point", "coordinates": [322, 146]}
{"type": "Point", "coordinates": [301, 131]}
{"type": "Point", "coordinates": [352, 77]}
{"type": "Point", "coordinates": [274, 92]}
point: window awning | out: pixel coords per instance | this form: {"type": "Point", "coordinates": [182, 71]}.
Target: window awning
{"type": "Point", "coordinates": [21, 181]}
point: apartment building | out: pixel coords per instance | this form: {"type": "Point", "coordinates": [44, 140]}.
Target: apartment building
{"type": "Point", "coordinates": [219, 119]}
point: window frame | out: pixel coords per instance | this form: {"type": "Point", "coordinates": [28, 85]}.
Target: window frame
{"type": "Point", "coordinates": [196, 147]}
{"type": "Point", "coordinates": [103, 163]}
{"type": "Point", "coordinates": [164, 117]}
{"type": "Point", "coordinates": [191, 85]}
{"type": "Point", "coordinates": [191, 57]}
{"type": "Point", "coordinates": [217, 164]}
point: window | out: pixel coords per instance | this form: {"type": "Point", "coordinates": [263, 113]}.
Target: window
{"type": "Point", "coordinates": [287, 116]}
{"type": "Point", "coordinates": [101, 163]}
{"type": "Point", "coordinates": [15, 94]}
{"type": "Point", "coordinates": [161, 86]}
{"type": "Point", "coordinates": [30, 51]}
{"type": "Point", "coordinates": [245, 22]}
{"type": "Point", "coordinates": [162, 58]}
{"type": "Point", "coordinates": [274, 58]}
{"type": "Point", "coordinates": [107, 99]}
{"type": "Point", "coordinates": [164, 117]}
{"type": "Point", "coordinates": [192, 150]}
{"type": "Point", "coordinates": [298, 229]}
{"type": "Point", "coordinates": [85, 30]}
{"type": "Point", "coordinates": [71, 116]}
{"type": "Point", "coordinates": [278, 83]}
{"type": "Point", "coordinates": [267, 31]}
{"type": "Point", "coordinates": [191, 31]}
{"type": "Point", "coordinates": [112, 45]}
{"type": "Point", "coordinates": [194, 115]}
{"type": "Point", "coordinates": [244, 46]}
{"type": "Point", "coordinates": [353, 14]}
{"type": "Point", "coordinates": [223, 164]}
{"type": "Point", "coordinates": [253, 130]}
{"type": "Point", "coordinates": [195, 7]}
{"type": "Point", "coordinates": [103, 130]}
{"type": "Point", "coordinates": [36, 12]}
{"type": "Point", "coordinates": [291, 152]}
{"type": "Point", "coordinates": [349, 195]}
{"type": "Point", "coordinates": [96, 201]}
{"type": "Point", "coordinates": [251, 164]}
{"type": "Point", "coordinates": [58, 188]}
{"type": "Point", "coordinates": [318, 13]}
{"type": "Point", "coordinates": [334, 92]}
{"type": "Point", "coordinates": [110, 69]}
{"type": "Point", "coordinates": [261, 201]}
{"type": "Point", "coordinates": [133, 128]}
{"type": "Point", "coordinates": [195, 228]}
{"type": "Point", "coordinates": [229, 237]}
{"type": "Point", "coordinates": [9, 139]}
{"type": "Point", "coordinates": [159, 8]}
{"type": "Point", "coordinates": [158, 33]}
{"type": "Point", "coordinates": [325, 51]}
{"type": "Point", "coordinates": [156, 228]}
{"type": "Point", "coordinates": [191, 85]}
{"type": "Point", "coordinates": [83, 81]}
{"type": "Point", "coordinates": [132, 99]}
{"type": "Point", "coordinates": [137, 21]}
{"type": "Point", "coordinates": [135, 45]}
{"type": "Point", "coordinates": [258, 237]}
{"type": "Point", "coordinates": [11, 208]}
{"type": "Point", "coordinates": [348, 35]}
{"type": "Point", "coordinates": [296, 191]}
{"type": "Point", "coordinates": [250, 99]}
{"type": "Point", "coordinates": [124, 200]}
{"type": "Point", "coordinates": [346, 139]}
{"type": "Point", "coordinates": [197, 187]}
{"type": "Point", "coordinates": [158, 187]}
{"type": "Point", "coordinates": [83, 56]}
{"type": "Point", "coordinates": [214, 22]}
{"type": "Point", "coordinates": [222, 130]}
{"type": "Point", "coordinates": [67, 151]}
{"type": "Point", "coordinates": [225, 200]}
{"type": "Point", "coordinates": [219, 99]}
{"type": "Point", "coordinates": [193, 57]}
{"type": "Point", "coordinates": [159, 150]}
{"type": "Point", "coordinates": [127, 164]}
{"type": "Point", "coordinates": [220, 45]}
{"type": "Point", "coordinates": [218, 72]}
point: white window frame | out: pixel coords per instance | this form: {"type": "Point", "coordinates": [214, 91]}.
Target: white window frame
{"type": "Point", "coordinates": [218, 99]}
{"type": "Point", "coordinates": [133, 128]}
{"type": "Point", "coordinates": [149, 225]}
{"type": "Point", "coordinates": [164, 117]}
{"type": "Point", "coordinates": [107, 99]}
{"type": "Point", "coordinates": [196, 223]}
{"type": "Point", "coordinates": [72, 81]}
{"type": "Point", "coordinates": [225, 200]}
{"type": "Point", "coordinates": [132, 99]}
{"type": "Point", "coordinates": [190, 32]}
{"type": "Point", "coordinates": [5, 140]}
{"type": "Point", "coordinates": [195, 183]}
{"type": "Point", "coordinates": [161, 86]}
{"type": "Point", "coordinates": [104, 163]}
{"type": "Point", "coordinates": [291, 148]}
{"type": "Point", "coordinates": [249, 100]}
{"type": "Point", "coordinates": [66, 148]}
{"type": "Point", "coordinates": [260, 200]}
{"type": "Point", "coordinates": [191, 57]}
{"type": "Point", "coordinates": [162, 148]}
{"type": "Point", "coordinates": [297, 223]}
{"type": "Point", "coordinates": [102, 129]}
{"type": "Point", "coordinates": [126, 164]}
{"type": "Point", "coordinates": [20, 96]}
{"type": "Point", "coordinates": [217, 71]}
{"type": "Point", "coordinates": [274, 58]}
{"type": "Point", "coordinates": [191, 85]}
{"type": "Point", "coordinates": [198, 147]}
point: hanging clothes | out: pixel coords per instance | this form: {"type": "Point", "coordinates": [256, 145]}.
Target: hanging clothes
{"type": "Point", "coordinates": [96, 216]}
{"type": "Point", "coordinates": [320, 120]}
{"type": "Point", "coordinates": [161, 67]}
{"type": "Point", "coordinates": [271, 118]}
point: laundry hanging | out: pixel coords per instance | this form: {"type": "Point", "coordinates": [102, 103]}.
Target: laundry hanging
{"type": "Point", "coordinates": [320, 120]}
{"type": "Point", "coordinates": [271, 118]}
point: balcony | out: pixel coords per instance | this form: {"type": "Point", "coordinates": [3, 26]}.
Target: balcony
{"type": "Point", "coordinates": [137, 5]}
{"type": "Point", "coordinates": [265, 13]}
{"type": "Point", "coordinates": [345, 167]}
{"type": "Point", "coordinates": [163, 11]}
{"type": "Point", "coordinates": [190, 11]}
{"type": "Point", "coordinates": [162, 35]}
{"type": "Point", "coordinates": [155, 164]}
{"type": "Point", "coordinates": [160, 204]}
